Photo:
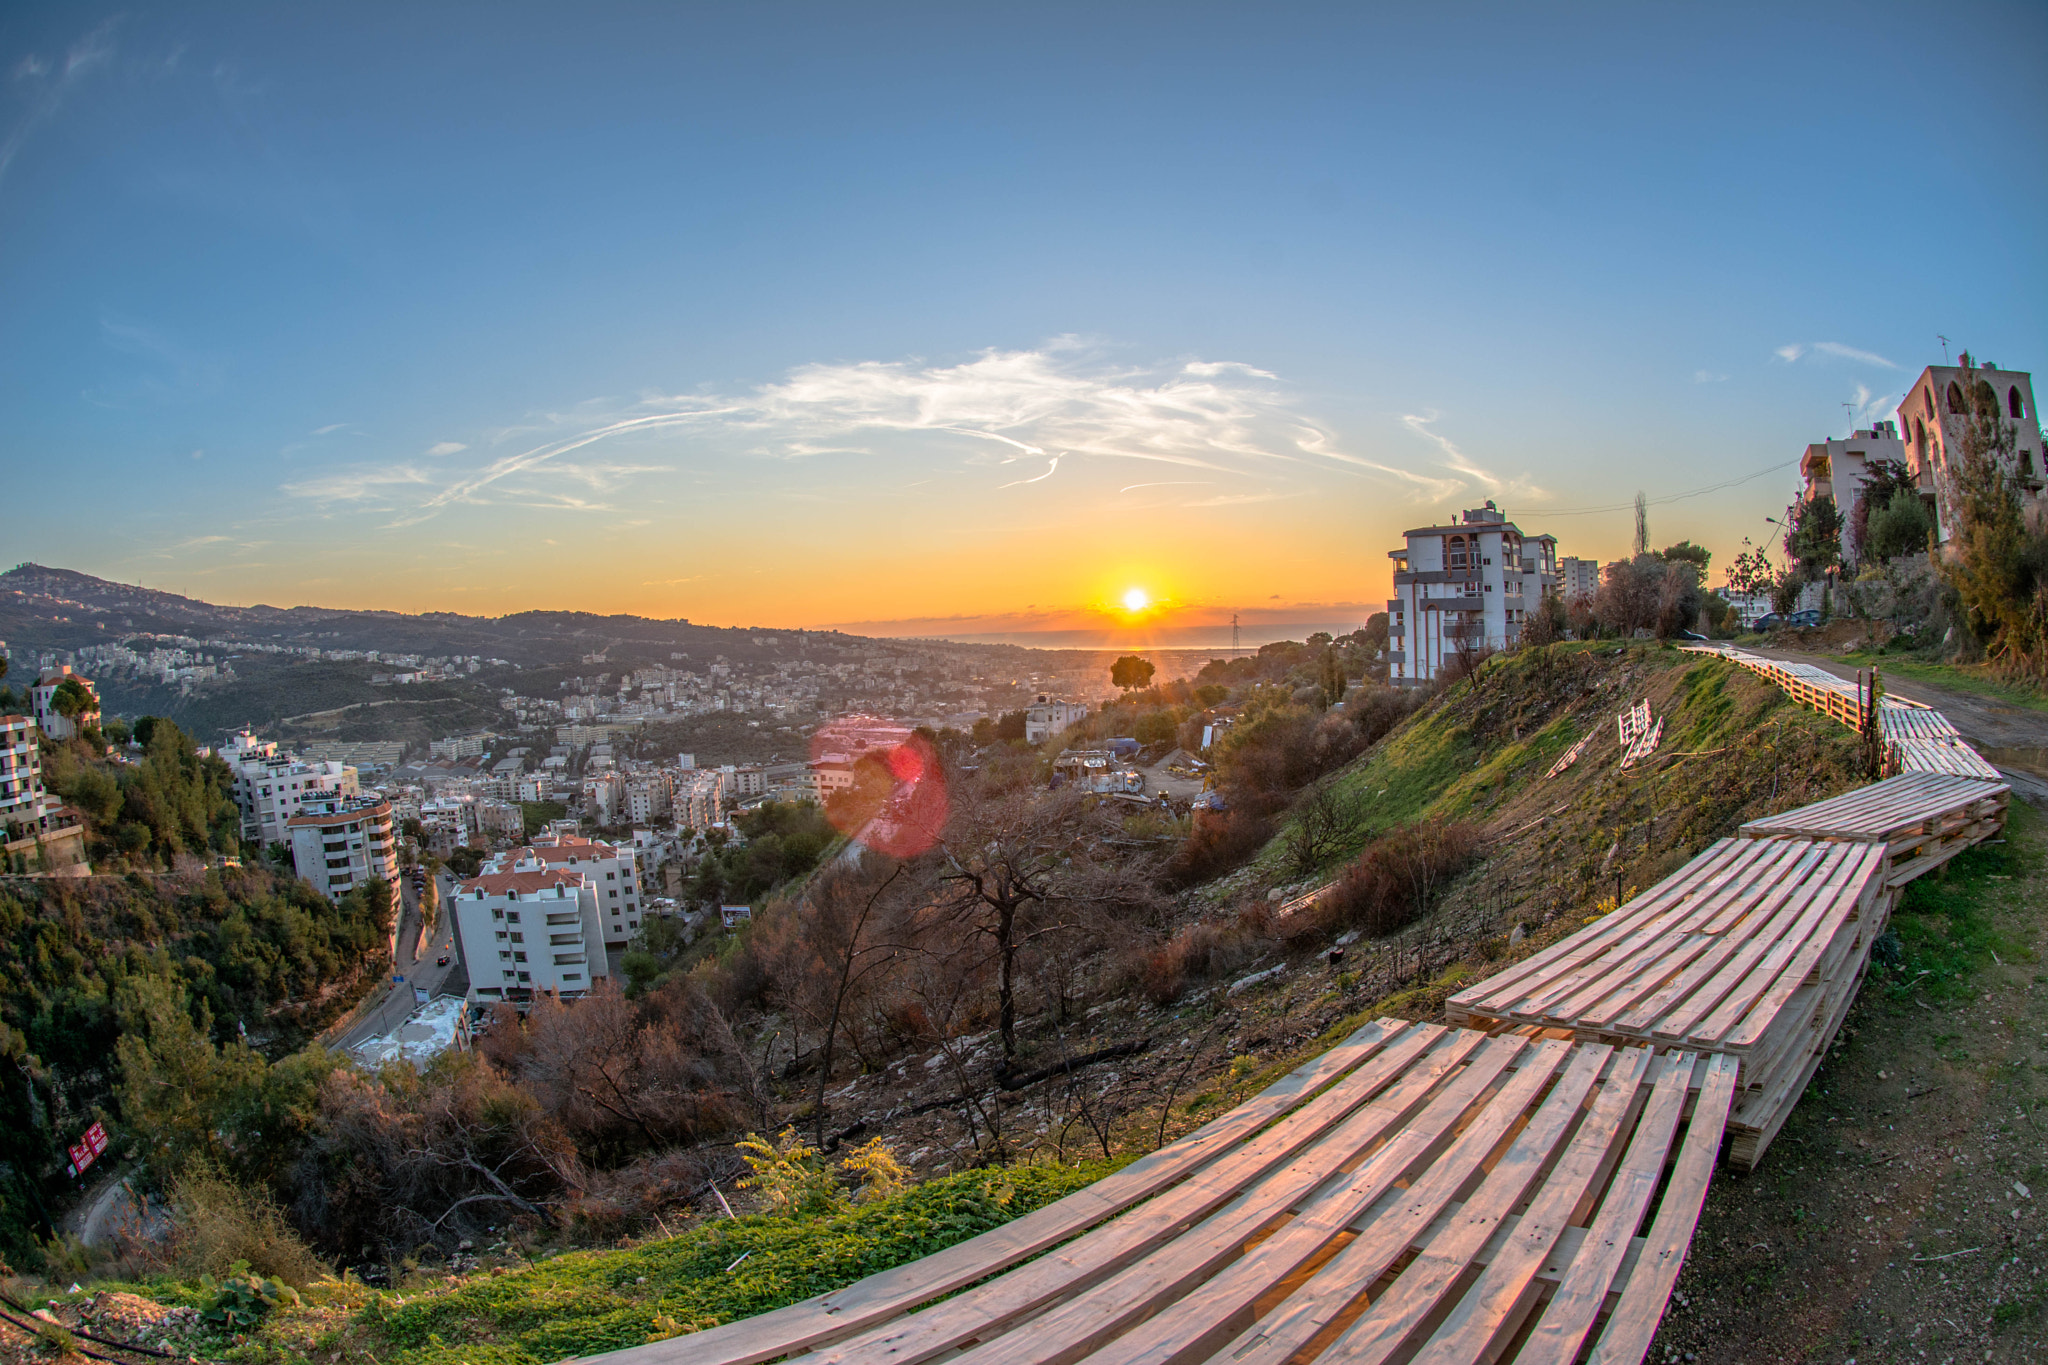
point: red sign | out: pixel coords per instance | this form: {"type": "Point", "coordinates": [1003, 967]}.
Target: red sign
{"type": "Point", "coordinates": [88, 1148]}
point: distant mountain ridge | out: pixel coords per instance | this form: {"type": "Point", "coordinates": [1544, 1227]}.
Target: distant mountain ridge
{"type": "Point", "coordinates": [51, 608]}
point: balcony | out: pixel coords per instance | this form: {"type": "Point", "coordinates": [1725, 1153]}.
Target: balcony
{"type": "Point", "coordinates": [1469, 601]}
{"type": "Point", "coordinates": [567, 960]}
{"type": "Point", "coordinates": [557, 940]}
{"type": "Point", "coordinates": [569, 918]}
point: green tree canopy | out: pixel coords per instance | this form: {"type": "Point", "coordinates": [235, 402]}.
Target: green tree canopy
{"type": "Point", "coordinates": [1131, 671]}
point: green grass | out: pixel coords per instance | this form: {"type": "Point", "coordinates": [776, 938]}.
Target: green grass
{"type": "Point", "coordinates": [586, 1302]}
{"type": "Point", "coordinates": [1975, 678]}
{"type": "Point", "coordinates": [1943, 922]}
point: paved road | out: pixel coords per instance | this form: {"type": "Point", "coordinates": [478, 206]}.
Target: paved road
{"type": "Point", "coordinates": [397, 1000]}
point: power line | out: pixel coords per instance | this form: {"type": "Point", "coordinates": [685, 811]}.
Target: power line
{"type": "Point", "coordinates": [1659, 502]}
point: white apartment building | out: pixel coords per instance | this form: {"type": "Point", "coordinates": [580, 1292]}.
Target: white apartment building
{"type": "Point", "coordinates": [341, 843]}
{"type": "Point", "coordinates": [742, 780]}
{"type": "Point", "coordinates": [1048, 716]}
{"type": "Point", "coordinates": [43, 700]}
{"type": "Point", "coordinates": [1466, 586]}
{"type": "Point", "coordinates": [604, 795]}
{"type": "Point", "coordinates": [459, 746]}
{"type": "Point", "coordinates": [21, 779]}
{"type": "Point", "coordinates": [647, 796]}
{"type": "Point", "coordinates": [1836, 469]}
{"type": "Point", "coordinates": [1578, 577]}
{"type": "Point", "coordinates": [272, 787]}
{"type": "Point", "coordinates": [613, 872]}
{"type": "Point", "coordinates": [528, 931]}
{"type": "Point", "coordinates": [447, 823]}
{"type": "Point", "coordinates": [699, 798]}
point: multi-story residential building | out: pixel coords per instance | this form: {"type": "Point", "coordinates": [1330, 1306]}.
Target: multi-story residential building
{"type": "Point", "coordinates": [648, 796]}
{"type": "Point", "coordinates": [743, 780]}
{"type": "Point", "coordinates": [604, 796]}
{"type": "Point", "coordinates": [1048, 716]}
{"type": "Point", "coordinates": [1463, 589]}
{"type": "Point", "coordinates": [500, 819]}
{"type": "Point", "coordinates": [21, 779]}
{"type": "Point", "coordinates": [699, 798]}
{"type": "Point", "coordinates": [460, 746]}
{"type": "Point", "coordinates": [340, 843]}
{"type": "Point", "coordinates": [1836, 470]}
{"type": "Point", "coordinates": [613, 871]}
{"type": "Point", "coordinates": [530, 930]}
{"type": "Point", "coordinates": [272, 787]}
{"type": "Point", "coordinates": [37, 832]}
{"type": "Point", "coordinates": [446, 824]}
{"type": "Point", "coordinates": [1578, 577]}
{"type": "Point", "coordinates": [43, 700]}
{"type": "Point", "coordinates": [1932, 417]}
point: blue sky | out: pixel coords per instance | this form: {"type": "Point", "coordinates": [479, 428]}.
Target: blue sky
{"type": "Point", "coordinates": [804, 314]}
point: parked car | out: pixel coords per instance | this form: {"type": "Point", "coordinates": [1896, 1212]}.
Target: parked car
{"type": "Point", "coordinates": [442, 960]}
{"type": "Point", "coordinates": [1803, 618]}
{"type": "Point", "coordinates": [1690, 635]}
{"type": "Point", "coordinates": [1769, 621]}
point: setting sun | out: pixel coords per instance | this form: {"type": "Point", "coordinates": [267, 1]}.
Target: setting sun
{"type": "Point", "coordinates": [1137, 599]}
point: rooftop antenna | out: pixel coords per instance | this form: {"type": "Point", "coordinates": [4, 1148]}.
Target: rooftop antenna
{"type": "Point", "coordinates": [1944, 347]}
{"type": "Point", "coordinates": [1850, 409]}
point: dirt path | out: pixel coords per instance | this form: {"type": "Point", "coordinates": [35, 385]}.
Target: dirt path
{"type": "Point", "coordinates": [1902, 1215]}
{"type": "Point", "coordinates": [2012, 737]}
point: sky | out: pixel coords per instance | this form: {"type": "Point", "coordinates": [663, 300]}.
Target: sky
{"type": "Point", "coordinates": [971, 320]}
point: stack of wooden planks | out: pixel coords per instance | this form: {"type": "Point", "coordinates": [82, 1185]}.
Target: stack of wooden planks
{"type": "Point", "coordinates": [1753, 950]}
{"type": "Point", "coordinates": [1419, 1193]}
{"type": "Point", "coordinates": [1922, 819]}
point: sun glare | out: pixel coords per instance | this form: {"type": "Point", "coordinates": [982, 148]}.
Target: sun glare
{"type": "Point", "coordinates": [1137, 599]}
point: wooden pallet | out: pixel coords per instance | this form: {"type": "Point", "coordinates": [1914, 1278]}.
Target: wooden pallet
{"type": "Point", "coordinates": [1922, 819]}
{"type": "Point", "coordinates": [1915, 722]}
{"type": "Point", "coordinates": [1441, 1196]}
{"type": "Point", "coordinates": [1738, 952]}
{"type": "Point", "coordinates": [1953, 757]}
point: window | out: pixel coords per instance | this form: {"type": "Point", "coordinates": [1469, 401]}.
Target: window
{"type": "Point", "coordinates": [519, 957]}
{"type": "Point", "coordinates": [1955, 397]}
{"type": "Point", "coordinates": [504, 955]}
{"type": "Point", "coordinates": [1457, 553]}
{"type": "Point", "coordinates": [501, 933]}
{"type": "Point", "coordinates": [1919, 434]}
{"type": "Point", "coordinates": [510, 974]}
{"type": "Point", "coordinates": [2013, 404]}
{"type": "Point", "coordinates": [524, 977]}
{"type": "Point", "coordinates": [511, 917]}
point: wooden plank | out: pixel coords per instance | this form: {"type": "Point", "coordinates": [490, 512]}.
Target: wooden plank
{"type": "Point", "coordinates": [1635, 1319]}
{"type": "Point", "coordinates": [840, 1312]}
{"type": "Point", "coordinates": [1380, 1241]}
{"type": "Point", "coordinates": [1446, 1256]}
{"type": "Point", "coordinates": [1426, 1150]}
{"type": "Point", "coordinates": [1498, 1301]}
{"type": "Point", "coordinates": [1440, 1090]}
{"type": "Point", "coordinates": [1572, 1310]}
{"type": "Point", "coordinates": [1245, 1173]}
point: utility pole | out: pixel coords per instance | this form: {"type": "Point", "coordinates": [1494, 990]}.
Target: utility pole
{"type": "Point", "coordinates": [1235, 648]}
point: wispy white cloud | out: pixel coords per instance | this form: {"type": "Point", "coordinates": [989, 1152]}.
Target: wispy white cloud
{"type": "Point", "coordinates": [46, 82]}
{"type": "Point", "coordinates": [447, 448]}
{"type": "Point", "coordinates": [1458, 462]}
{"type": "Point", "coordinates": [1801, 350]}
{"type": "Point", "coordinates": [357, 485]}
{"type": "Point", "coordinates": [333, 427]}
{"type": "Point", "coordinates": [1063, 404]}
{"type": "Point", "coordinates": [1871, 407]}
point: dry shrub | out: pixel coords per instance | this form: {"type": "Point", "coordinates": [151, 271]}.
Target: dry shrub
{"type": "Point", "coordinates": [632, 1198]}
{"type": "Point", "coordinates": [1393, 883]}
{"type": "Point", "coordinates": [1199, 951]}
{"type": "Point", "coordinates": [215, 1223]}
{"type": "Point", "coordinates": [1375, 711]}
{"type": "Point", "coordinates": [1221, 841]}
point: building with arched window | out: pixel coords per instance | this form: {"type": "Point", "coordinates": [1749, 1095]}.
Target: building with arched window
{"type": "Point", "coordinates": [1463, 589]}
{"type": "Point", "coordinates": [1934, 413]}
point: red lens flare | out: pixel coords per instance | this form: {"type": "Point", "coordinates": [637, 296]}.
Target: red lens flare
{"type": "Point", "coordinates": [883, 784]}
